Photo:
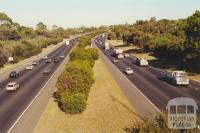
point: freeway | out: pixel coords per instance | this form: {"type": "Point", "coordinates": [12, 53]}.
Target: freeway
{"type": "Point", "coordinates": [12, 104]}
{"type": "Point", "coordinates": [149, 81]}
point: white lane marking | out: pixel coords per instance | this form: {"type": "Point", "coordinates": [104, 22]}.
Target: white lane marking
{"type": "Point", "coordinates": [132, 83]}
{"type": "Point", "coordinates": [22, 65]}
{"type": "Point", "coordinates": [11, 128]}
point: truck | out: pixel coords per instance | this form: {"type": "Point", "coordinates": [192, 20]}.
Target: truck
{"type": "Point", "coordinates": [177, 77]}
{"type": "Point", "coordinates": [142, 62]}
{"type": "Point", "coordinates": [67, 43]}
{"type": "Point", "coordinates": [107, 46]}
{"type": "Point", "coordinates": [118, 53]}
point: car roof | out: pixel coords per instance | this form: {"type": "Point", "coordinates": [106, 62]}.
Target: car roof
{"type": "Point", "coordinates": [12, 83]}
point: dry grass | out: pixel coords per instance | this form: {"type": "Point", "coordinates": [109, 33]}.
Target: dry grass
{"type": "Point", "coordinates": [120, 43]}
{"type": "Point", "coordinates": [195, 77]}
{"type": "Point", "coordinates": [147, 56]}
{"type": "Point", "coordinates": [108, 110]}
{"type": "Point", "coordinates": [116, 42]}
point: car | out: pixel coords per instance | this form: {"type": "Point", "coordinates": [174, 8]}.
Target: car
{"type": "Point", "coordinates": [45, 57]}
{"type": "Point", "coordinates": [56, 60]}
{"type": "Point", "coordinates": [47, 71]}
{"type": "Point", "coordinates": [114, 60]}
{"type": "Point", "coordinates": [35, 63]}
{"type": "Point", "coordinates": [126, 55]}
{"type": "Point", "coordinates": [29, 67]}
{"type": "Point", "coordinates": [128, 70]}
{"type": "Point", "coordinates": [14, 74]}
{"type": "Point", "coordinates": [12, 86]}
{"type": "Point", "coordinates": [48, 61]}
{"type": "Point", "coordinates": [62, 56]}
{"type": "Point", "coordinates": [110, 50]}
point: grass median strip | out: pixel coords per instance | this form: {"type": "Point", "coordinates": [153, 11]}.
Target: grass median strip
{"type": "Point", "coordinates": [108, 110]}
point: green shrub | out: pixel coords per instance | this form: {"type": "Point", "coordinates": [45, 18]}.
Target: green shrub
{"type": "Point", "coordinates": [73, 103]}
{"type": "Point", "coordinates": [75, 82]}
{"type": "Point", "coordinates": [3, 58]}
{"type": "Point", "coordinates": [78, 77]}
{"type": "Point", "coordinates": [93, 52]}
{"type": "Point", "coordinates": [90, 55]}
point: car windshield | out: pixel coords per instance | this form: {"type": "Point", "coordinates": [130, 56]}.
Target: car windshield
{"type": "Point", "coordinates": [10, 85]}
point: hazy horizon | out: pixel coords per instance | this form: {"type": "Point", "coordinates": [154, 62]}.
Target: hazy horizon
{"type": "Point", "coordinates": [75, 13]}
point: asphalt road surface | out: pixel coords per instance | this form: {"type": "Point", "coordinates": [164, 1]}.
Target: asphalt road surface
{"type": "Point", "coordinates": [12, 104]}
{"type": "Point", "coordinates": [149, 81]}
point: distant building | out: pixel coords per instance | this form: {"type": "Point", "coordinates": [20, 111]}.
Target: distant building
{"type": "Point", "coordinates": [4, 22]}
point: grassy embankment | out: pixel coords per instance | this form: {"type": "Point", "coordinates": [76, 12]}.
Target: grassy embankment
{"type": "Point", "coordinates": [108, 110]}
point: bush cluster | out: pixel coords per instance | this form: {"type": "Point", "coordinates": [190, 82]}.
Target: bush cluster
{"type": "Point", "coordinates": [75, 82]}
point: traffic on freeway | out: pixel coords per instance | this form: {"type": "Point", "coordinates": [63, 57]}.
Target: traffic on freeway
{"type": "Point", "coordinates": [150, 80]}
{"type": "Point", "coordinates": [21, 87]}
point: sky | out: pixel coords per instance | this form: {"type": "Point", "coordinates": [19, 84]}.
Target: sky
{"type": "Point", "coordinates": [75, 13]}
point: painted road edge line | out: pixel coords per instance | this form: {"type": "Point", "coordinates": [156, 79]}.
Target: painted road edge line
{"type": "Point", "coordinates": [36, 96]}
{"type": "Point", "coordinates": [132, 84]}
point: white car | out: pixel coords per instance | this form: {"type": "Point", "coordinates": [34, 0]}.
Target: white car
{"type": "Point", "coordinates": [114, 61]}
{"type": "Point", "coordinates": [12, 86]}
{"type": "Point", "coordinates": [45, 57]}
{"type": "Point", "coordinates": [29, 67]}
{"type": "Point", "coordinates": [126, 55]}
{"type": "Point", "coordinates": [62, 56]}
{"type": "Point", "coordinates": [128, 70]}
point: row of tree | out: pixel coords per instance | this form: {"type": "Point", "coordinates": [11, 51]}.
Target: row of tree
{"type": "Point", "coordinates": [22, 42]}
{"type": "Point", "coordinates": [177, 40]}
{"type": "Point", "coordinates": [75, 82]}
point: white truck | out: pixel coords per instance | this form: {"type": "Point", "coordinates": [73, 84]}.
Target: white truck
{"type": "Point", "coordinates": [118, 53]}
{"type": "Point", "coordinates": [142, 62]}
{"type": "Point", "coordinates": [67, 43]}
{"type": "Point", "coordinates": [107, 46]}
{"type": "Point", "coordinates": [177, 77]}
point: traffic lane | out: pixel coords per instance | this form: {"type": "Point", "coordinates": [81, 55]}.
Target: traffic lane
{"type": "Point", "coordinates": [26, 73]}
{"type": "Point", "coordinates": [143, 84]}
{"type": "Point", "coordinates": [27, 92]}
{"type": "Point", "coordinates": [155, 89]}
{"type": "Point", "coordinates": [167, 90]}
{"type": "Point", "coordinates": [192, 90]}
{"type": "Point", "coordinates": [21, 66]}
{"type": "Point", "coordinates": [160, 72]}
{"type": "Point", "coordinates": [22, 71]}
{"type": "Point", "coordinates": [140, 82]}
{"type": "Point", "coordinates": [21, 98]}
{"type": "Point", "coordinates": [142, 106]}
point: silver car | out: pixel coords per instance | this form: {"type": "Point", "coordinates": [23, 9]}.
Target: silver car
{"type": "Point", "coordinates": [12, 86]}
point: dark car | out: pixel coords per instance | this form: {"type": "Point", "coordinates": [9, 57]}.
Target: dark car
{"type": "Point", "coordinates": [14, 74]}
{"type": "Point", "coordinates": [47, 71]}
{"type": "Point", "coordinates": [48, 61]}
